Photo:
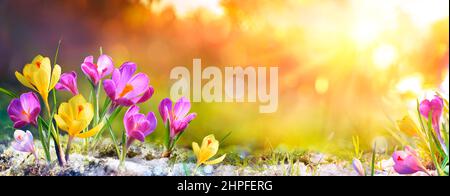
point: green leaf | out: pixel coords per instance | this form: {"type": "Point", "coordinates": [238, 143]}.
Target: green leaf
{"type": "Point", "coordinates": [124, 146]}
{"type": "Point", "coordinates": [374, 151]}
{"type": "Point", "coordinates": [175, 140]}
{"type": "Point", "coordinates": [225, 137]}
{"type": "Point", "coordinates": [446, 170]}
{"type": "Point", "coordinates": [113, 137]}
{"type": "Point", "coordinates": [45, 144]}
{"type": "Point", "coordinates": [8, 93]}
{"type": "Point", "coordinates": [167, 135]}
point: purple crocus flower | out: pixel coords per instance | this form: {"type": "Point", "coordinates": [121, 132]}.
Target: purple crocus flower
{"type": "Point", "coordinates": [137, 125]}
{"type": "Point", "coordinates": [95, 72]}
{"type": "Point", "coordinates": [407, 162]}
{"type": "Point", "coordinates": [126, 89]}
{"type": "Point", "coordinates": [178, 116]}
{"type": "Point", "coordinates": [434, 108]}
{"type": "Point", "coordinates": [68, 82]}
{"type": "Point", "coordinates": [24, 142]}
{"type": "Point", "coordinates": [24, 110]}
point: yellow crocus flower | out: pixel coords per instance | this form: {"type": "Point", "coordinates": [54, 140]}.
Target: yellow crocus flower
{"type": "Point", "coordinates": [209, 148]}
{"type": "Point", "coordinates": [75, 116]}
{"type": "Point", "coordinates": [38, 76]}
{"type": "Point", "coordinates": [407, 125]}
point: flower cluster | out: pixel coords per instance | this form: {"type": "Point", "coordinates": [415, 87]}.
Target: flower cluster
{"type": "Point", "coordinates": [123, 87]}
{"type": "Point", "coordinates": [430, 137]}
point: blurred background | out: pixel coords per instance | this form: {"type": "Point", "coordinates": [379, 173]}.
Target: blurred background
{"type": "Point", "coordinates": [346, 67]}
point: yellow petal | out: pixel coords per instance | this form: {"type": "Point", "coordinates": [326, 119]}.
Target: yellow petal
{"type": "Point", "coordinates": [24, 81]}
{"type": "Point", "coordinates": [29, 70]}
{"type": "Point", "coordinates": [91, 132]}
{"type": "Point", "coordinates": [215, 161]}
{"type": "Point", "coordinates": [85, 112]}
{"type": "Point", "coordinates": [196, 148]}
{"type": "Point", "coordinates": [45, 66]}
{"type": "Point", "coordinates": [61, 123]}
{"type": "Point", "coordinates": [407, 125]}
{"type": "Point", "coordinates": [76, 127]}
{"type": "Point", "coordinates": [56, 74]}
{"type": "Point", "coordinates": [65, 112]}
{"type": "Point", "coordinates": [37, 58]}
{"type": "Point", "coordinates": [81, 109]}
{"type": "Point", "coordinates": [205, 142]}
{"type": "Point", "coordinates": [41, 80]}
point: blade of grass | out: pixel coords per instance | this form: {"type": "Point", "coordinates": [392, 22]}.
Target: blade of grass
{"type": "Point", "coordinates": [374, 151]}
{"type": "Point", "coordinates": [8, 93]}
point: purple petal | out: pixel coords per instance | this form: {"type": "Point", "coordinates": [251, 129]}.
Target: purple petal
{"type": "Point", "coordinates": [126, 72]}
{"type": "Point", "coordinates": [29, 101]}
{"type": "Point", "coordinates": [190, 117]}
{"type": "Point", "coordinates": [91, 72]}
{"type": "Point", "coordinates": [137, 135]}
{"type": "Point", "coordinates": [15, 108]}
{"type": "Point", "coordinates": [151, 118]}
{"type": "Point", "coordinates": [130, 112]}
{"type": "Point", "coordinates": [19, 124]}
{"type": "Point", "coordinates": [124, 102]}
{"type": "Point", "coordinates": [146, 96]}
{"type": "Point", "coordinates": [182, 107]}
{"type": "Point", "coordinates": [110, 88]}
{"type": "Point", "coordinates": [105, 65]}
{"type": "Point", "coordinates": [89, 59]}
{"type": "Point", "coordinates": [165, 108]}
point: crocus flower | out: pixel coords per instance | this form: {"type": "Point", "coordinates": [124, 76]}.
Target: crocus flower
{"type": "Point", "coordinates": [209, 148]}
{"type": "Point", "coordinates": [137, 125]}
{"type": "Point", "coordinates": [407, 125]}
{"type": "Point", "coordinates": [24, 110]}
{"type": "Point", "coordinates": [24, 143]}
{"type": "Point", "coordinates": [38, 76]}
{"type": "Point", "coordinates": [407, 162]}
{"type": "Point", "coordinates": [125, 89]}
{"type": "Point", "coordinates": [178, 116]}
{"type": "Point", "coordinates": [75, 116]}
{"type": "Point", "coordinates": [95, 72]}
{"type": "Point", "coordinates": [68, 82]}
{"type": "Point", "coordinates": [358, 167]}
{"type": "Point", "coordinates": [434, 108]}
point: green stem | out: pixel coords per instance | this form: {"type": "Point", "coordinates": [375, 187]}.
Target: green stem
{"type": "Point", "coordinates": [43, 142]}
{"type": "Point", "coordinates": [69, 143]}
{"type": "Point", "coordinates": [372, 173]}
{"type": "Point", "coordinates": [96, 100]}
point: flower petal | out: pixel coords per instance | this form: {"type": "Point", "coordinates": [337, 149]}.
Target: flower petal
{"type": "Point", "coordinates": [24, 81]}
{"type": "Point", "coordinates": [91, 132]}
{"type": "Point", "coordinates": [56, 74]}
{"type": "Point", "coordinates": [165, 108]}
{"type": "Point", "coordinates": [182, 107]}
{"type": "Point", "coordinates": [105, 65]}
{"type": "Point", "coordinates": [110, 88]}
{"type": "Point", "coordinates": [215, 161]}
{"type": "Point", "coordinates": [195, 148]}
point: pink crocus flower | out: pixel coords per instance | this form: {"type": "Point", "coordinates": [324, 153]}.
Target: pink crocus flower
{"type": "Point", "coordinates": [137, 125]}
{"type": "Point", "coordinates": [68, 82]}
{"type": "Point", "coordinates": [178, 116]}
{"type": "Point", "coordinates": [407, 162]}
{"type": "Point", "coordinates": [24, 110]}
{"type": "Point", "coordinates": [358, 167]}
{"type": "Point", "coordinates": [24, 143]}
{"type": "Point", "coordinates": [434, 107]}
{"type": "Point", "coordinates": [96, 71]}
{"type": "Point", "coordinates": [126, 89]}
